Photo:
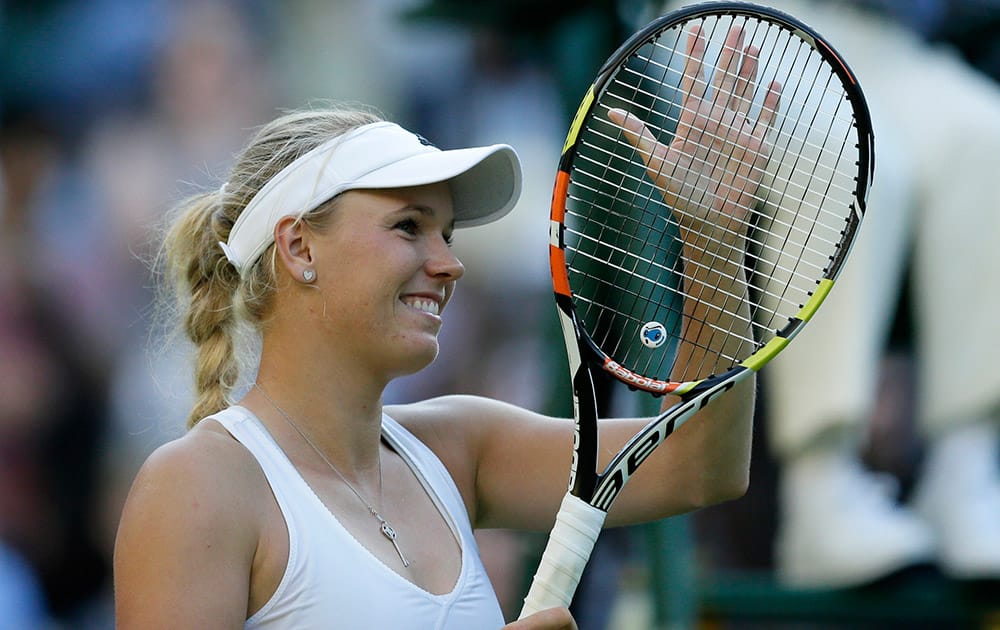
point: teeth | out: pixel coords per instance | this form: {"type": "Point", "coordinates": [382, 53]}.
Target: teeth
{"type": "Point", "coordinates": [427, 306]}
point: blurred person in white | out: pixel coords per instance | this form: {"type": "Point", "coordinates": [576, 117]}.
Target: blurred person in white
{"type": "Point", "coordinates": [937, 127]}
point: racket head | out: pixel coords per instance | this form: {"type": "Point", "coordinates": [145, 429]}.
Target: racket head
{"type": "Point", "coordinates": [615, 249]}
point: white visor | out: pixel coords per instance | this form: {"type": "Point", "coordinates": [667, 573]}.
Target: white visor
{"type": "Point", "coordinates": [485, 181]}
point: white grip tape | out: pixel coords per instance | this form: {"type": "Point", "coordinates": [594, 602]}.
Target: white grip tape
{"type": "Point", "coordinates": [577, 527]}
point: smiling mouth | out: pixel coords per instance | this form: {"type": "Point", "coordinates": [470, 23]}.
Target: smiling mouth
{"type": "Point", "coordinates": [423, 304]}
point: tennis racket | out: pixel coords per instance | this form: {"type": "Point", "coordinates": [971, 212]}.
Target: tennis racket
{"type": "Point", "coordinates": [709, 190]}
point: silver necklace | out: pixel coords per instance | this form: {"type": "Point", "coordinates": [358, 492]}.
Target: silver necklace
{"type": "Point", "coordinates": [384, 525]}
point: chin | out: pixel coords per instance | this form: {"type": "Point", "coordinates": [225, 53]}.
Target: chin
{"type": "Point", "coordinates": [417, 359]}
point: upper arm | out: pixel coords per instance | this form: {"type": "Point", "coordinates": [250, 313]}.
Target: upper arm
{"type": "Point", "coordinates": [512, 465]}
{"type": "Point", "coordinates": [187, 538]}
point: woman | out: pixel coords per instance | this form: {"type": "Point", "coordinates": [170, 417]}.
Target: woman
{"type": "Point", "coordinates": [308, 504]}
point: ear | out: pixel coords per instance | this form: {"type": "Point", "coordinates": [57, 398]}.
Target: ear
{"type": "Point", "coordinates": [292, 242]}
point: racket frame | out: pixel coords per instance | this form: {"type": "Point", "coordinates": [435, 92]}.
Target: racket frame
{"type": "Point", "coordinates": [591, 492]}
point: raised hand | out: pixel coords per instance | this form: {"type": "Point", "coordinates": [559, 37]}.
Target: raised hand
{"type": "Point", "coordinates": [711, 170]}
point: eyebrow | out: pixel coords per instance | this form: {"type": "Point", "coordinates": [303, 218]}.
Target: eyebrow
{"type": "Point", "coordinates": [427, 211]}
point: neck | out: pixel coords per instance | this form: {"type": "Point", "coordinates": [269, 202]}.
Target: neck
{"type": "Point", "coordinates": [338, 406]}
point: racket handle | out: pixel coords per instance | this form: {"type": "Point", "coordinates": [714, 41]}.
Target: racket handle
{"type": "Point", "coordinates": [577, 527]}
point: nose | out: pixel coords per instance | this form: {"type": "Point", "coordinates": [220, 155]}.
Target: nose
{"type": "Point", "coordinates": [443, 263]}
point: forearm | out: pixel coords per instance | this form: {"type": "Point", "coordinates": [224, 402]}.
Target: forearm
{"type": "Point", "coordinates": [705, 461]}
{"type": "Point", "coordinates": [716, 335]}
{"type": "Point", "coordinates": [718, 442]}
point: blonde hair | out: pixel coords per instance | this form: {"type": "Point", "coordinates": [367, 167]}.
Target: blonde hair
{"type": "Point", "coordinates": [211, 299]}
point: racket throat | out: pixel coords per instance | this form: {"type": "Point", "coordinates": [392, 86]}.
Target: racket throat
{"type": "Point", "coordinates": [583, 470]}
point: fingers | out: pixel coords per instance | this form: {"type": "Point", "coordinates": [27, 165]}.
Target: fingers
{"type": "Point", "coordinates": [640, 137]}
{"type": "Point", "coordinates": [747, 81]}
{"type": "Point", "coordinates": [772, 101]}
{"type": "Point", "coordinates": [734, 88]}
{"type": "Point", "coordinates": [726, 74]}
{"type": "Point", "coordinates": [693, 82]}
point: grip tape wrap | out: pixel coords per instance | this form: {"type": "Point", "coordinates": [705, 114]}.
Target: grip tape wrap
{"type": "Point", "coordinates": [571, 541]}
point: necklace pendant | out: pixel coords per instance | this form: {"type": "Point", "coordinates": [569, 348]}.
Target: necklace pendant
{"type": "Point", "coordinates": [390, 533]}
{"type": "Point", "coordinates": [386, 528]}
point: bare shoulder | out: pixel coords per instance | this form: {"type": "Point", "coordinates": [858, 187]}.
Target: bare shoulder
{"type": "Point", "coordinates": [205, 481]}
{"type": "Point", "coordinates": [205, 462]}
{"type": "Point", "coordinates": [190, 526]}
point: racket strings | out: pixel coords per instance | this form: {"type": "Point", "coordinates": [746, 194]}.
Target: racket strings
{"type": "Point", "coordinates": [808, 274]}
{"type": "Point", "coordinates": [662, 130]}
{"type": "Point", "coordinates": [825, 192]}
{"type": "Point", "coordinates": [599, 148]}
{"type": "Point", "coordinates": [791, 227]}
{"type": "Point", "coordinates": [826, 243]}
{"type": "Point", "coordinates": [637, 295]}
{"type": "Point", "coordinates": [622, 240]}
{"type": "Point", "coordinates": [670, 71]}
{"type": "Point", "coordinates": [673, 120]}
{"type": "Point", "coordinates": [660, 99]}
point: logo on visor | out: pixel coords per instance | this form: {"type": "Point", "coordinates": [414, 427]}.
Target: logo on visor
{"type": "Point", "coordinates": [424, 141]}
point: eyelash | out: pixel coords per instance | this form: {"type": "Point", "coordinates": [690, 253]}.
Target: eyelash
{"type": "Point", "coordinates": [411, 227]}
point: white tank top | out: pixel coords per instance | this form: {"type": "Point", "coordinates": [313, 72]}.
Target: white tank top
{"type": "Point", "coordinates": [331, 580]}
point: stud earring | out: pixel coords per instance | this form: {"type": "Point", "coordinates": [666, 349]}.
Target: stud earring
{"type": "Point", "coordinates": [308, 275]}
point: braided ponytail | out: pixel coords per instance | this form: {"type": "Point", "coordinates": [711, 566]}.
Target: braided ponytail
{"type": "Point", "coordinates": [213, 298]}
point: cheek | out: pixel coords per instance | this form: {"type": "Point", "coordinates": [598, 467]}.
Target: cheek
{"type": "Point", "coordinates": [364, 280]}
{"type": "Point", "coordinates": [360, 297]}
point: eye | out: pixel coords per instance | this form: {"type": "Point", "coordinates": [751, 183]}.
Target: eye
{"type": "Point", "coordinates": [449, 238]}
{"type": "Point", "coordinates": [410, 226]}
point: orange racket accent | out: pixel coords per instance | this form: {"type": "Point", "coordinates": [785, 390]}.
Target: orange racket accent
{"type": "Point", "coordinates": [560, 277]}
{"type": "Point", "coordinates": [557, 257]}
{"type": "Point", "coordinates": [559, 196]}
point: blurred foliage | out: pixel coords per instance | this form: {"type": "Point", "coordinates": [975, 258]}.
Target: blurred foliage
{"type": "Point", "coordinates": [515, 18]}
{"type": "Point", "coordinates": [573, 38]}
